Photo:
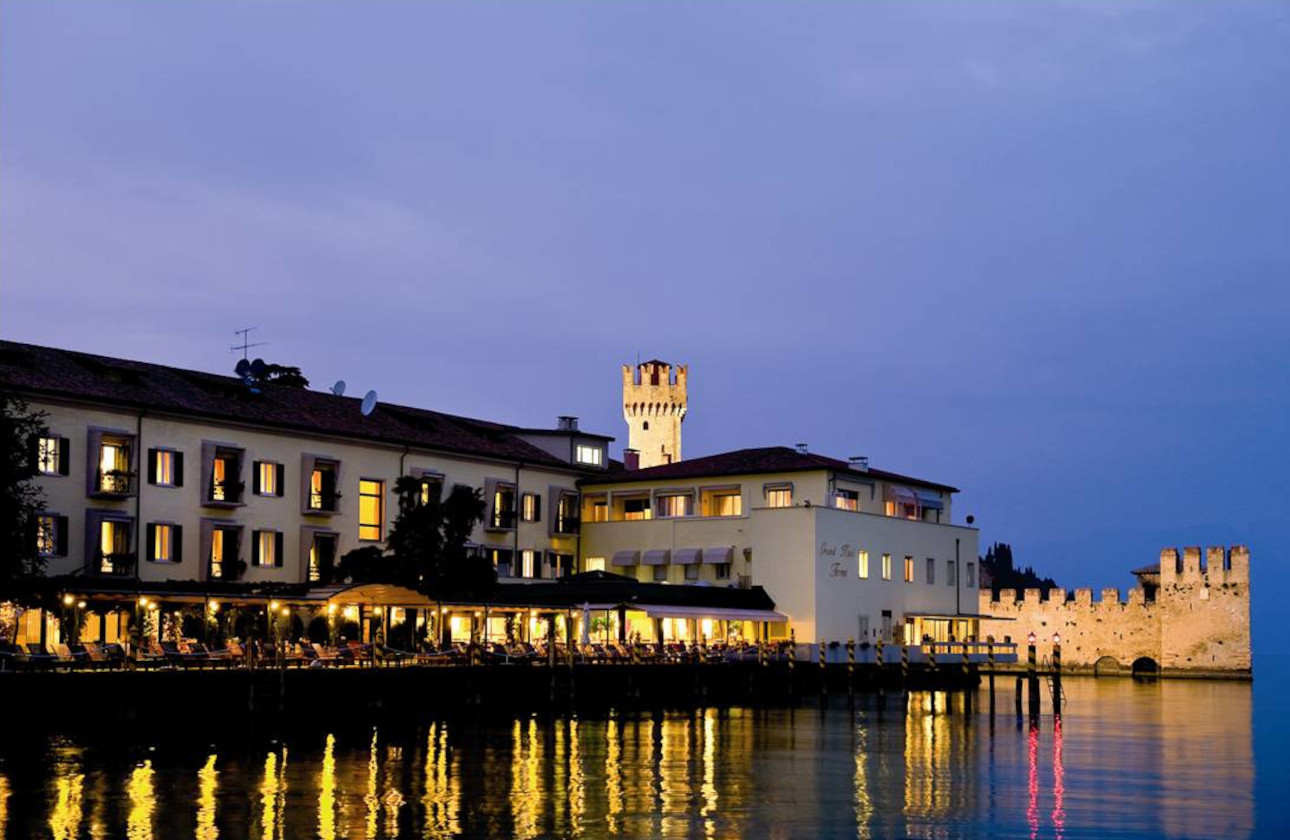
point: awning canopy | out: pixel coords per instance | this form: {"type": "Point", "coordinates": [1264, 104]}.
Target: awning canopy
{"type": "Point", "coordinates": [715, 613]}
{"type": "Point", "coordinates": [902, 494]}
{"type": "Point", "coordinates": [626, 558]}
{"type": "Point", "coordinates": [657, 556]}
{"type": "Point", "coordinates": [686, 556]}
{"type": "Point", "coordinates": [930, 500]}
{"type": "Point", "coordinates": [719, 554]}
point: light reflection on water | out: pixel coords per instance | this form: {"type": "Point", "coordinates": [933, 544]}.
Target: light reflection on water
{"type": "Point", "coordinates": [1171, 759]}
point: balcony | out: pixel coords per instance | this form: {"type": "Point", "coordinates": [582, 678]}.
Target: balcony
{"type": "Point", "coordinates": [113, 483]}
{"type": "Point", "coordinates": [501, 520]}
{"type": "Point", "coordinates": [227, 493]}
{"type": "Point", "coordinates": [568, 525]}
{"type": "Point", "coordinates": [323, 502]}
{"type": "Point", "coordinates": [117, 564]}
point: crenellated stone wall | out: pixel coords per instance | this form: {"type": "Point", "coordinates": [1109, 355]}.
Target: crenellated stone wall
{"type": "Point", "coordinates": [1194, 621]}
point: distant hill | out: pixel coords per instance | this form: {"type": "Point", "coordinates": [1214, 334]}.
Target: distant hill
{"type": "Point", "coordinates": [999, 572]}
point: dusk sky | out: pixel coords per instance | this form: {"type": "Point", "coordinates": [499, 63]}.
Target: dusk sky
{"type": "Point", "coordinates": [1040, 251]}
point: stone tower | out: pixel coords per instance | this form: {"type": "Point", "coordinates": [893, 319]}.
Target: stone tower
{"type": "Point", "coordinates": [654, 403]}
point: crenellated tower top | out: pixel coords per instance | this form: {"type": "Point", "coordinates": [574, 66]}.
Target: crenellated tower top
{"type": "Point", "coordinates": [654, 406]}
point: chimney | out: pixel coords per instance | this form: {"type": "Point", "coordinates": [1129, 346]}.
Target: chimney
{"type": "Point", "coordinates": [801, 449]}
{"type": "Point", "coordinates": [859, 463]}
{"type": "Point", "coordinates": [632, 459]}
{"type": "Point", "coordinates": [567, 424]}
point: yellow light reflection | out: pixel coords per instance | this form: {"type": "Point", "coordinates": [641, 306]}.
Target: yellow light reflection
{"type": "Point", "coordinates": [68, 810]}
{"type": "Point", "coordinates": [141, 791]}
{"type": "Point", "coordinates": [577, 782]}
{"type": "Point", "coordinates": [863, 802]}
{"type": "Point", "coordinates": [442, 796]}
{"type": "Point", "coordinates": [373, 801]}
{"type": "Point", "coordinates": [273, 794]}
{"type": "Point", "coordinates": [4, 803]}
{"type": "Point", "coordinates": [526, 795]}
{"type": "Point", "coordinates": [207, 782]}
{"type": "Point", "coordinates": [613, 775]}
{"type": "Point", "coordinates": [708, 790]}
{"type": "Point", "coordinates": [327, 792]}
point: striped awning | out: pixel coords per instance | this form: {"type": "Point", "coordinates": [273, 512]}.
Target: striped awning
{"type": "Point", "coordinates": [626, 558]}
{"type": "Point", "coordinates": [657, 557]}
{"type": "Point", "coordinates": [930, 500]}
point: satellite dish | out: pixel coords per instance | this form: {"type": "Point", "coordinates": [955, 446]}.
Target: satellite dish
{"type": "Point", "coordinates": [257, 368]}
{"type": "Point", "coordinates": [339, 388]}
{"type": "Point", "coordinates": [369, 403]}
{"type": "Point", "coordinates": [243, 368]}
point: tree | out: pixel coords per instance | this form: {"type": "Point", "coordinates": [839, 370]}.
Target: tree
{"type": "Point", "coordinates": [23, 499]}
{"type": "Point", "coordinates": [998, 564]}
{"type": "Point", "coordinates": [285, 375]}
{"type": "Point", "coordinates": [426, 549]}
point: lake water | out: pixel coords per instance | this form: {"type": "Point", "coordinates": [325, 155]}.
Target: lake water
{"type": "Point", "coordinates": [1127, 759]}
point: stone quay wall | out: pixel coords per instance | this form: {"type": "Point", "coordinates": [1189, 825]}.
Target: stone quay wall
{"type": "Point", "coordinates": [1195, 622]}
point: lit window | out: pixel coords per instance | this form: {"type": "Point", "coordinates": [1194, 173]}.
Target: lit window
{"type": "Point", "coordinates": [886, 567]}
{"type": "Point", "coordinates": [598, 511]}
{"type": "Point", "coordinates": [864, 564]}
{"type": "Point", "coordinates": [779, 497]}
{"type": "Point", "coordinates": [847, 500]}
{"type": "Point", "coordinates": [531, 507]}
{"type": "Point", "coordinates": [931, 570]}
{"type": "Point", "coordinates": [431, 488]}
{"type": "Point", "coordinates": [322, 487]}
{"type": "Point", "coordinates": [909, 569]}
{"type": "Point", "coordinates": [217, 553]}
{"type": "Point", "coordinates": [636, 509]}
{"type": "Point", "coordinates": [114, 467]}
{"type": "Point", "coordinates": [674, 505]}
{"type": "Point", "coordinates": [162, 543]}
{"type": "Point", "coordinates": [267, 479]}
{"type": "Point", "coordinates": [726, 504]}
{"type": "Point", "coordinates": [501, 560]}
{"type": "Point", "coordinates": [595, 564]}
{"type": "Point", "coordinates": [592, 456]}
{"type": "Point", "coordinates": [503, 506]}
{"type": "Point", "coordinates": [528, 563]}
{"type": "Point", "coordinates": [371, 506]}
{"type": "Point", "coordinates": [114, 547]}
{"type": "Point", "coordinates": [322, 557]}
{"type": "Point", "coordinates": [266, 548]}
{"type": "Point", "coordinates": [46, 535]}
{"type": "Point", "coordinates": [49, 455]}
{"type": "Point", "coordinates": [163, 467]}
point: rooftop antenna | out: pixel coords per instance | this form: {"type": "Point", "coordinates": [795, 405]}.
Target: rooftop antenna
{"type": "Point", "coordinates": [369, 403]}
{"type": "Point", "coordinates": [246, 344]}
{"type": "Point", "coordinates": [339, 388]}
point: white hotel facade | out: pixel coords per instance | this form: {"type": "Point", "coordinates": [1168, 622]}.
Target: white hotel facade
{"type": "Point", "coordinates": [160, 479]}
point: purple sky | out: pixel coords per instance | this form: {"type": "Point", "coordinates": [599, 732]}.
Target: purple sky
{"type": "Point", "coordinates": [1039, 251]}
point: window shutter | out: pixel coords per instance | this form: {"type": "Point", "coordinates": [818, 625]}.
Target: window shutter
{"type": "Point", "coordinates": [537, 507]}
{"type": "Point", "coordinates": [277, 549]}
{"type": "Point", "coordinates": [33, 452]}
{"type": "Point", "coordinates": [255, 548]}
{"type": "Point", "coordinates": [152, 466]}
{"type": "Point", "coordinates": [60, 536]}
{"type": "Point", "coordinates": [64, 447]}
{"type": "Point", "coordinates": [176, 543]}
{"type": "Point", "coordinates": [280, 484]}
{"type": "Point", "coordinates": [151, 549]}
{"type": "Point", "coordinates": [177, 468]}
{"type": "Point", "coordinates": [255, 477]}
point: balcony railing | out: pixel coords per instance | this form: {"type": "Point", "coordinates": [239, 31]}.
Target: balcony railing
{"type": "Point", "coordinates": [226, 492]}
{"type": "Point", "coordinates": [114, 482]}
{"type": "Point", "coordinates": [118, 564]}
{"type": "Point", "coordinates": [324, 502]}
{"type": "Point", "coordinates": [567, 524]}
{"type": "Point", "coordinates": [504, 519]}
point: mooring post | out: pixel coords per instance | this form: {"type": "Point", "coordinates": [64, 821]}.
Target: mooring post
{"type": "Point", "coordinates": [792, 658]}
{"type": "Point", "coordinates": [851, 666]}
{"type": "Point", "coordinates": [1032, 685]}
{"type": "Point", "coordinates": [824, 687]}
{"type": "Point", "coordinates": [989, 656]}
{"type": "Point", "coordinates": [904, 664]}
{"type": "Point", "coordinates": [1057, 675]}
{"type": "Point", "coordinates": [931, 655]}
{"type": "Point", "coordinates": [1017, 699]}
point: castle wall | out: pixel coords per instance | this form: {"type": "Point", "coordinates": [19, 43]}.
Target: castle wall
{"type": "Point", "coordinates": [1197, 622]}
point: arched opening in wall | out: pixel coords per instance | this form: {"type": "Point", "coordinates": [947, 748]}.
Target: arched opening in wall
{"type": "Point", "coordinates": [1107, 665]}
{"type": "Point", "coordinates": [1145, 666]}
{"type": "Point", "coordinates": [645, 425]}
